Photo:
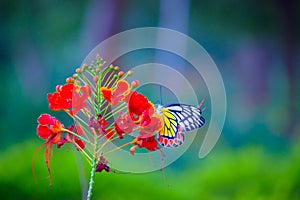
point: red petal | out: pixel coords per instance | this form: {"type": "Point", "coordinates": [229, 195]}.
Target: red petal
{"type": "Point", "coordinates": [118, 130]}
{"type": "Point", "coordinates": [138, 103]}
{"type": "Point", "coordinates": [43, 131]}
{"type": "Point", "coordinates": [79, 130]}
{"type": "Point", "coordinates": [55, 139]}
{"type": "Point", "coordinates": [79, 100]}
{"type": "Point", "coordinates": [45, 119]}
{"type": "Point", "coordinates": [62, 98]}
{"type": "Point", "coordinates": [145, 121]}
{"type": "Point", "coordinates": [128, 96]}
{"type": "Point", "coordinates": [80, 143]}
{"type": "Point", "coordinates": [116, 99]}
{"type": "Point", "coordinates": [148, 141]}
{"type": "Point", "coordinates": [62, 142]}
{"type": "Point", "coordinates": [56, 128]}
{"type": "Point", "coordinates": [102, 121]}
{"type": "Point", "coordinates": [122, 86]}
{"type": "Point", "coordinates": [107, 93]}
{"type": "Point", "coordinates": [67, 91]}
{"type": "Point", "coordinates": [109, 133]}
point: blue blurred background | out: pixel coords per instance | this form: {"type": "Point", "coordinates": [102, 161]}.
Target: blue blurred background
{"type": "Point", "coordinates": [255, 46]}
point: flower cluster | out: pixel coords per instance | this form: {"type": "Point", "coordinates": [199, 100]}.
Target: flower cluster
{"type": "Point", "coordinates": [105, 107]}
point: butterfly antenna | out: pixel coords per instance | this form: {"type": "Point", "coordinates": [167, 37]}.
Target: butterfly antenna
{"type": "Point", "coordinates": [201, 103]}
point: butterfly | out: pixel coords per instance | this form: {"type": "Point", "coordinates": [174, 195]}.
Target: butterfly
{"type": "Point", "coordinates": [178, 119]}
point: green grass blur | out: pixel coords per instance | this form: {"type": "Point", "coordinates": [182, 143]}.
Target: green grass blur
{"type": "Point", "coordinates": [250, 172]}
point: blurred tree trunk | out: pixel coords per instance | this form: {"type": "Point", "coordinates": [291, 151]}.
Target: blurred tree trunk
{"type": "Point", "coordinates": [288, 8]}
{"type": "Point", "coordinates": [102, 20]}
{"type": "Point", "coordinates": [173, 16]}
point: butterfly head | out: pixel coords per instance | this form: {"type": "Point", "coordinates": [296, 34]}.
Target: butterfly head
{"type": "Point", "coordinates": [159, 109]}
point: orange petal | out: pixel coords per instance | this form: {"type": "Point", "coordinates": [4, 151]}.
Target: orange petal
{"type": "Point", "coordinates": [107, 93]}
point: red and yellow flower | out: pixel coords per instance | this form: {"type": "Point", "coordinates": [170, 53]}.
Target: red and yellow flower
{"type": "Point", "coordinates": [69, 96]}
{"type": "Point", "coordinates": [50, 129]}
{"type": "Point", "coordinates": [118, 94]}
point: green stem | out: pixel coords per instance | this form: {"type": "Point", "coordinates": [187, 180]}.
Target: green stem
{"type": "Point", "coordinates": [89, 195]}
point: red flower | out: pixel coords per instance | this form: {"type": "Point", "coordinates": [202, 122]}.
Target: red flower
{"type": "Point", "coordinates": [118, 130]}
{"type": "Point", "coordinates": [62, 98]}
{"type": "Point", "coordinates": [124, 124]}
{"type": "Point", "coordinates": [49, 129]}
{"type": "Point", "coordinates": [102, 165]}
{"type": "Point", "coordinates": [137, 105]}
{"type": "Point", "coordinates": [144, 141]}
{"type": "Point", "coordinates": [68, 97]}
{"type": "Point", "coordinates": [120, 92]}
{"type": "Point", "coordinates": [154, 126]}
{"type": "Point", "coordinates": [116, 95]}
{"type": "Point", "coordinates": [147, 141]}
{"type": "Point", "coordinates": [79, 101]}
{"type": "Point", "coordinates": [107, 93]}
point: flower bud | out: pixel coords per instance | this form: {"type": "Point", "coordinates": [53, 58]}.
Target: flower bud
{"type": "Point", "coordinates": [78, 70]}
{"type": "Point", "coordinates": [70, 80]}
{"type": "Point", "coordinates": [135, 83]}
{"type": "Point", "coordinates": [58, 88]}
{"type": "Point", "coordinates": [120, 74]}
{"type": "Point", "coordinates": [130, 73]}
{"type": "Point", "coordinates": [76, 82]}
{"type": "Point", "coordinates": [132, 149]}
{"type": "Point", "coordinates": [96, 78]}
{"type": "Point", "coordinates": [116, 68]}
{"type": "Point", "coordinates": [75, 75]}
{"type": "Point", "coordinates": [84, 66]}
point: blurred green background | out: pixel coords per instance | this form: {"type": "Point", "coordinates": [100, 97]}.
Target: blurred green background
{"type": "Point", "coordinates": [256, 48]}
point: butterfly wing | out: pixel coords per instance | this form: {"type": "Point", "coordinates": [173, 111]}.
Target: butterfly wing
{"type": "Point", "coordinates": [190, 117]}
{"type": "Point", "coordinates": [170, 127]}
{"type": "Point", "coordinates": [170, 143]}
{"type": "Point", "coordinates": [178, 118]}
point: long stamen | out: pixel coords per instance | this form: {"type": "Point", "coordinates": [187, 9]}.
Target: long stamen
{"type": "Point", "coordinates": [119, 147]}
{"type": "Point", "coordinates": [84, 79]}
{"type": "Point", "coordinates": [88, 158]}
{"type": "Point", "coordinates": [110, 73]}
{"type": "Point", "coordinates": [85, 131]}
{"type": "Point", "coordinates": [80, 137]}
{"type": "Point", "coordinates": [115, 110]}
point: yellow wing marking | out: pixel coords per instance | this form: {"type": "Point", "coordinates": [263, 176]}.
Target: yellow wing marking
{"type": "Point", "coordinates": [170, 124]}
